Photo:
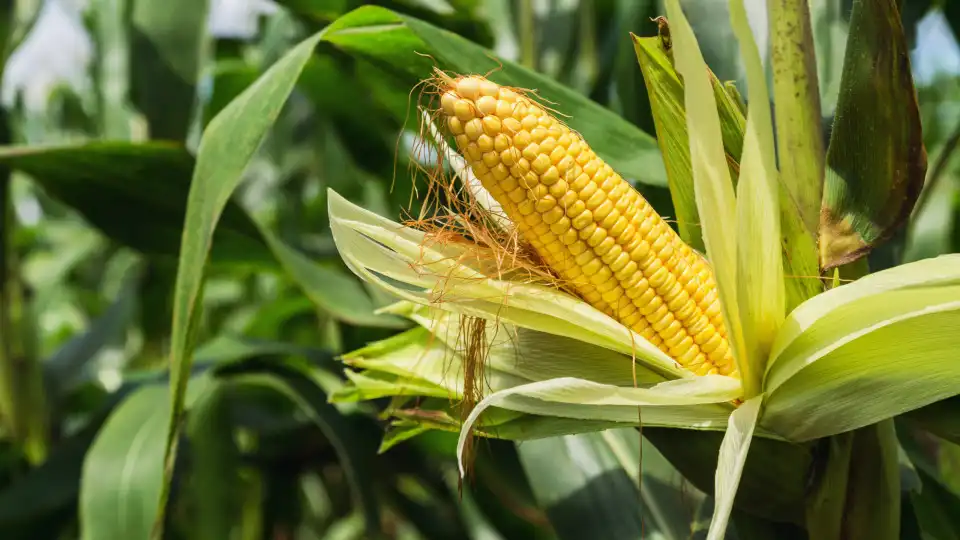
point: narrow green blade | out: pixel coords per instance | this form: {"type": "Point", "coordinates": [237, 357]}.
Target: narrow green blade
{"type": "Point", "coordinates": [226, 148]}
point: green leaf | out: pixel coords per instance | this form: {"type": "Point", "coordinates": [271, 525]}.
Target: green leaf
{"type": "Point", "coordinates": [50, 488]}
{"type": "Point", "coordinates": [597, 495]}
{"type": "Point", "coordinates": [828, 497]}
{"type": "Point", "coordinates": [318, 10]}
{"type": "Point", "coordinates": [166, 41]}
{"type": "Point", "coordinates": [865, 198]}
{"type": "Point", "coordinates": [629, 85]}
{"type": "Point", "coordinates": [109, 26]}
{"type": "Point", "coordinates": [341, 91]}
{"type": "Point", "coordinates": [941, 419]}
{"type": "Point", "coordinates": [330, 289]}
{"type": "Point", "coordinates": [136, 194]}
{"type": "Point", "coordinates": [215, 464]}
{"type": "Point", "coordinates": [122, 472]}
{"type": "Point", "coordinates": [716, 201]}
{"type": "Point", "coordinates": [873, 493]}
{"type": "Point", "coordinates": [830, 25]}
{"type": "Point", "coordinates": [665, 91]}
{"type": "Point", "coordinates": [230, 79]}
{"type": "Point", "coordinates": [63, 368]}
{"type": "Point", "coordinates": [122, 476]}
{"type": "Point", "coordinates": [937, 508]}
{"type": "Point", "coordinates": [8, 23]}
{"type": "Point", "coordinates": [355, 458]}
{"type": "Point", "coordinates": [226, 148]}
{"type": "Point", "coordinates": [930, 232]}
{"type": "Point", "coordinates": [409, 47]}
{"type": "Point", "coordinates": [760, 282]}
{"type": "Point", "coordinates": [774, 480]}
{"type": "Point", "coordinates": [842, 354]}
{"type": "Point", "coordinates": [733, 455]}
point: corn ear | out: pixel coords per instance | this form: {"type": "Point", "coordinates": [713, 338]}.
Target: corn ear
{"type": "Point", "coordinates": [590, 226]}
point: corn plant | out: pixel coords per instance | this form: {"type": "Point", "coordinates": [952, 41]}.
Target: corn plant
{"type": "Point", "coordinates": [778, 333]}
{"type": "Point", "coordinates": [612, 334]}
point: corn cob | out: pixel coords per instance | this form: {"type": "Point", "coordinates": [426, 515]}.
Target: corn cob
{"type": "Point", "coordinates": [589, 225]}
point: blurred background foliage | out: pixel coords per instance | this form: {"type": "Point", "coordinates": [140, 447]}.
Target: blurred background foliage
{"type": "Point", "coordinates": [104, 102]}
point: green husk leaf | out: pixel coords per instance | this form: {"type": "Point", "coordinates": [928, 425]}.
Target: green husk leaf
{"type": "Point", "coordinates": [536, 355]}
{"type": "Point", "coordinates": [375, 385]}
{"type": "Point", "coordinates": [420, 358]}
{"type": "Point", "coordinates": [411, 48]}
{"type": "Point", "coordinates": [416, 355]}
{"type": "Point", "coordinates": [716, 202]}
{"type": "Point", "coordinates": [839, 371]}
{"type": "Point", "coordinates": [759, 265]}
{"type": "Point", "coordinates": [666, 100]}
{"type": "Point", "coordinates": [432, 357]}
{"type": "Point", "coordinates": [865, 197]}
{"type": "Point", "coordinates": [530, 427]}
{"type": "Point", "coordinates": [935, 272]}
{"type": "Point", "coordinates": [733, 456]}
{"type": "Point", "coordinates": [669, 114]}
{"type": "Point", "coordinates": [405, 262]}
{"type": "Point", "coordinates": [500, 423]}
{"type": "Point", "coordinates": [596, 401]}
{"type": "Point", "coordinates": [797, 100]}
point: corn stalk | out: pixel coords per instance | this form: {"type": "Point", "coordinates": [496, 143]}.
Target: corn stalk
{"type": "Point", "coordinates": [22, 408]}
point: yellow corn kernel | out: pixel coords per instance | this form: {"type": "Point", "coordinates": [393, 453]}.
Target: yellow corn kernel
{"type": "Point", "coordinates": [592, 228]}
